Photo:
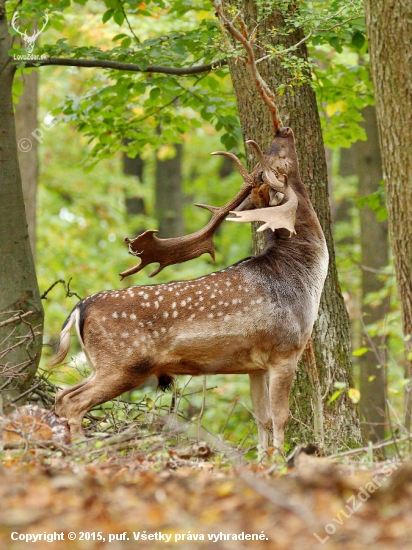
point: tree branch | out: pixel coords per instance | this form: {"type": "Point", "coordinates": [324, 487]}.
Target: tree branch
{"type": "Point", "coordinates": [132, 67]}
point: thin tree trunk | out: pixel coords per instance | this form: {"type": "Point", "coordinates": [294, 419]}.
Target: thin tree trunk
{"type": "Point", "coordinates": [389, 25]}
{"type": "Point", "coordinates": [169, 198]}
{"type": "Point", "coordinates": [312, 418]}
{"type": "Point", "coordinates": [26, 123]}
{"type": "Point", "coordinates": [374, 247]}
{"type": "Point", "coordinates": [20, 341]}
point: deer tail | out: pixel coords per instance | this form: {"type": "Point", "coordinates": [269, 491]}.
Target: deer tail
{"type": "Point", "coordinates": [64, 342]}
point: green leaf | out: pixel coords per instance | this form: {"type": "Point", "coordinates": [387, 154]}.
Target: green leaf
{"type": "Point", "coordinates": [118, 17]}
{"type": "Point", "coordinates": [107, 15]}
{"type": "Point", "coordinates": [340, 385]}
{"type": "Point", "coordinates": [358, 40]}
{"type": "Point", "coordinates": [335, 396]}
{"type": "Point", "coordinates": [126, 42]}
{"type": "Point", "coordinates": [360, 351]}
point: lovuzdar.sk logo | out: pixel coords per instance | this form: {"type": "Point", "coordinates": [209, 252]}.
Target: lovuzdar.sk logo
{"type": "Point", "coordinates": [29, 40]}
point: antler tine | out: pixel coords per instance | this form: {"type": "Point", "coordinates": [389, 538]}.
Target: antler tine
{"type": "Point", "coordinates": [264, 91]}
{"type": "Point", "coordinates": [270, 173]}
{"type": "Point", "coordinates": [242, 170]}
{"type": "Point", "coordinates": [259, 153]}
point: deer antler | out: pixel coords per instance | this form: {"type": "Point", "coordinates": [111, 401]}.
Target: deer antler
{"type": "Point", "coordinates": [269, 174]}
{"type": "Point", "coordinates": [275, 217]}
{"type": "Point", "coordinates": [150, 248]}
{"type": "Point", "coordinates": [264, 91]}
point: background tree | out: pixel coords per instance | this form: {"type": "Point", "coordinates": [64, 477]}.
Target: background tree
{"type": "Point", "coordinates": [21, 339]}
{"type": "Point", "coordinates": [337, 424]}
{"type": "Point", "coordinates": [389, 28]}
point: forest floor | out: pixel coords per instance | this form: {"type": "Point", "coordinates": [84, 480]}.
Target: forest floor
{"type": "Point", "coordinates": [117, 494]}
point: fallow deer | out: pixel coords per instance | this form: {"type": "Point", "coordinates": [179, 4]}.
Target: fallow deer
{"type": "Point", "coordinates": [254, 317]}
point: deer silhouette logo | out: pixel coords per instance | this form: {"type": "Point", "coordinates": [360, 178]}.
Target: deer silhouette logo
{"type": "Point", "coordinates": [29, 40]}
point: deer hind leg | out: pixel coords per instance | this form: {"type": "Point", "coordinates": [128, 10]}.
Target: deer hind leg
{"type": "Point", "coordinates": [91, 392]}
{"type": "Point", "coordinates": [259, 393]}
{"type": "Point", "coordinates": [280, 383]}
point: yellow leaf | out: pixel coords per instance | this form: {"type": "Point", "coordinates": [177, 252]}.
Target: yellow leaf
{"type": "Point", "coordinates": [333, 108]}
{"type": "Point", "coordinates": [354, 395]}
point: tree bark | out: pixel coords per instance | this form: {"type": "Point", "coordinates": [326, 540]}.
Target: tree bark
{"type": "Point", "coordinates": [374, 250]}
{"type": "Point", "coordinates": [389, 24]}
{"type": "Point", "coordinates": [169, 199]}
{"type": "Point", "coordinates": [21, 340]}
{"type": "Point", "coordinates": [313, 418]}
{"type": "Point", "coordinates": [26, 123]}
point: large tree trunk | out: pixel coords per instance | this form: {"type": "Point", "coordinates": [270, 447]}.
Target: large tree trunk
{"type": "Point", "coordinates": [313, 418]}
{"type": "Point", "coordinates": [389, 25]}
{"type": "Point", "coordinates": [26, 123]}
{"type": "Point", "coordinates": [20, 341]}
{"type": "Point", "coordinates": [374, 247]}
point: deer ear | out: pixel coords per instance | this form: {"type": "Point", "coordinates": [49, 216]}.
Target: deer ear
{"type": "Point", "coordinates": [275, 217]}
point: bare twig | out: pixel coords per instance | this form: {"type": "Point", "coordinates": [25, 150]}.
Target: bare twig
{"type": "Point", "coordinates": [265, 92]}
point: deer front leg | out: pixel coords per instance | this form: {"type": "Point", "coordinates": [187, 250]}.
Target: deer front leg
{"type": "Point", "coordinates": [280, 383]}
{"type": "Point", "coordinates": [259, 393]}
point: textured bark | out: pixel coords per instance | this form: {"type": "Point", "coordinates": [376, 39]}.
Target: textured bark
{"type": "Point", "coordinates": [169, 199]}
{"type": "Point", "coordinates": [26, 123]}
{"type": "Point", "coordinates": [374, 246]}
{"type": "Point", "coordinates": [332, 363]}
{"type": "Point", "coordinates": [18, 283]}
{"type": "Point", "coordinates": [389, 24]}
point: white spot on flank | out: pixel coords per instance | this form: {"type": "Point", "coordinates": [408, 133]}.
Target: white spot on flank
{"type": "Point", "coordinates": [259, 300]}
{"type": "Point", "coordinates": [136, 331]}
{"type": "Point", "coordinates": [201, 308]}
{"type": "Point", "coordinates": [155, 333]}
{"type": "Point", "coordinates": [228, 283]}
{"type": "Point", "coordinates": [213, 296]}
{"type": "Point", "coordinates": [226, 318]}
{"type": "Point", "coordinates": [103, 318]}
{"type": "Point", "coordinates": [210, 315]}
{"type": "Point", "coordinates": [114, 315]}
{"type": "Point", "coordinates": [124, 315]}
{"type": "Point", "coordinates": [183, 303]}
{"type": "Point", "coordinates": [141, 324]}
{"type": "Point", "coordinates": [175, 313]}
{"type": "Point", "coordinates": [165, 314]}
{"type": "Point", "coordinates": [156, 304]}
{"type": "Point", "coordinates": [145, 296]}
{"type": "Point", "coordinates": [160, 298]}
{"type": "Point", "coordinates": [200, 298]}
{"type": "Point", "coordinates": [122, 344]}
{"type": "Point", "coordinates": [133, 317]}
{"type": "Point", "coordinates": [140, 293]}
{"type": "Point", "coordinates": [226, 304]}
{"type": "Point", "coordinates": [123, 297]}
{"type": "Point", "coordinates": [125, 335]}
{"type": "Point", "coordinates": [163, 330]}
{"type": "Point", "coordinates": [173, 305]}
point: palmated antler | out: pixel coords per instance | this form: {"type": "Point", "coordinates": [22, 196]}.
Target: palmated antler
{"type": "Point", "coordinates": [150, 248]}
{"type": "Point", "coordinates": [275, 217]}
{"type": "Point", "coordinates": [264, 91]}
